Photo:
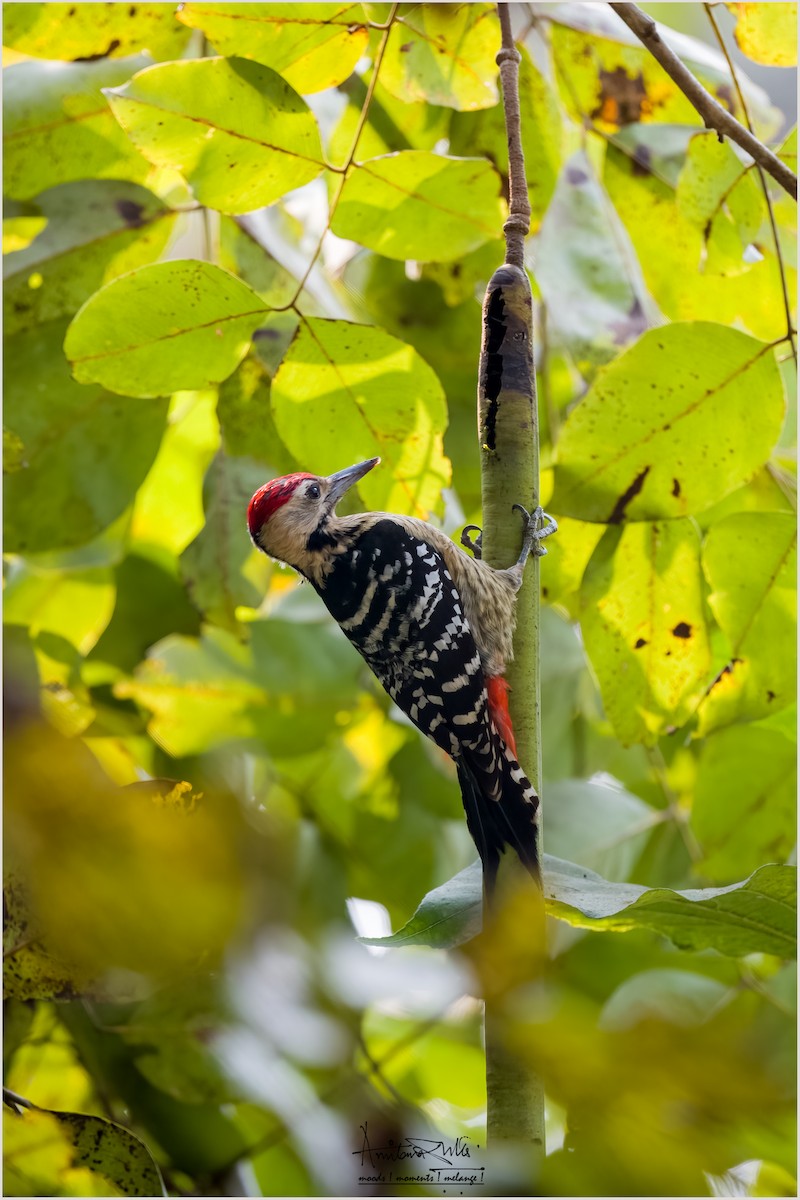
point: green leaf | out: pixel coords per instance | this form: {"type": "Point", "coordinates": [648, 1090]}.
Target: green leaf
{"type": "Point", "coordinates": [716, 193]}
{"type": "Point", "coordinates": [171, 1033]}
{"type": "Point", "coordinates": [787, 151]}
{"type": "Point", "coordinates": [744, 800]}
{"type": "Point", "coordinates": [76, 605]}
{"type": "Point", "coordinates": [443, 54]}
{"type": "Point", "coordinates": [245, 417]}
{"type": "Point", "coordinates": [58, 127]}
{"type": "Point", "coordinates": [750, 562]}
{"type": "Point", "coordinates": [169, 505]}
{"type": "Point", "coordinates": [347, 392]}
{"type": "Point", "coordinates": [710, 171]}
{"type": "Point", "coordinates": [683, 998]}
{"type": "Point", "coordinates": [658, 150]}
{"type": "Point", "coordinates": [774, 1180]}
{"type": "Point", "coordinates": [313, 47]}
{"type": "Point", "coordinates": [605, 72]}
{"type": "Point", "coordinates": [587, 271]}
{"type": "Point", "coordinates": [30, 972]}
{"type": "Point", "coordinates": [83, 454]}
{"type": "Point", "coordinates": [767, 33]}
{"type": "Point", "coordinates": [171, 326]}
{"type": "Point", "coordinates": [114, 1152]}
{"type": "Point", "coordinates": [242, 255]}
{"type": "Point", "coordinates": [672, 249]}
{"type": "Point", "coordinates": [151, 604]}
{"type": "Point", "coordinates": [644, 628]}
{"type": "Point", "coordinates": [392, 124]}
{"type": "Point", "coordinates": [418, 205]}
{"type": "Point", "coordinates": [620, 458]}
{"type": "Point", "coordinates": [17, 1021]}
{"type": "Point", "coordinates": [484, 132]}
{"type": "Point", "coordinates": [598, 825]}
{"type": "Point", "coordinates": [238, 134]}
{"type": "Point", "coordinates": [449, 340]}
{"type": "Point", "coordinates": [19, 232]}
{"type": "Point", "coordinates": [220, 568]}
{"type": "Point", "coordinates": [446, 917]}
{"type": "Point", "coordinates": [104, 1147]}
{"type": "Point", "coordinates": [95, 232]}
{"type": "Point", "coordinates": [285, 689]}
{"type": "Point", "coordinates": [78, 31]}
{"type": "Point", "coordinates": [567, 557]}
{"type": "Point", "coordinates": [757, 916]}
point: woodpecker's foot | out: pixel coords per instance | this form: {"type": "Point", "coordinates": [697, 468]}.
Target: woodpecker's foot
{"type": "Point", "coordinates": [534, 534]}
{"type": "Point", "coordinates": [473, 544]}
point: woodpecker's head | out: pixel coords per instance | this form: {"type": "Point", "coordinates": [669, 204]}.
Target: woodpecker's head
{"type": "Point", "coordinates": [292, 518]}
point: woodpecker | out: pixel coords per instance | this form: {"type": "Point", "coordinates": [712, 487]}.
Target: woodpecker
{"type": "Point", "coordinates": [433, 624]}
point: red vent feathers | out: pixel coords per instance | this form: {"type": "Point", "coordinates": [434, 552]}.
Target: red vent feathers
{"type": "Point", "coordinates": [270, 497]}
{"type": "Point", "coordinates": [497, 688]}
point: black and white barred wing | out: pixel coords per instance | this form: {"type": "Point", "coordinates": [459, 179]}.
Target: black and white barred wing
{"type": "Point", "coordinates": [396, 601]}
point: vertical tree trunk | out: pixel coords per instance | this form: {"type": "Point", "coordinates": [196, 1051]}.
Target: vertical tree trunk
{"type": "Point", "coordinates": [509, 441]}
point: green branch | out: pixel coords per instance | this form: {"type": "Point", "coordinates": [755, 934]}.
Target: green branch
{"type": "Point", "coordinates": [509, 440]}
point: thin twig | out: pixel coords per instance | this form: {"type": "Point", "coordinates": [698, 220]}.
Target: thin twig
{"type": "Point", "coordinates": [713, 114]}
{"type": "Point", "coordinates": [518, 225]}
{"type": "Point", "coordinates": [15, 1102]}
{"type": "Point", "coordinates": [344, 170]}
{"type": "Point", "coordinates": [587, 124]}
{"type": "Point", "coordinates": [776, 240]}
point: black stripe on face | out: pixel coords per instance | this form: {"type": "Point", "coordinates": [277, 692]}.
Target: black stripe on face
{"type": "Point", "coordinates": [320, 539]}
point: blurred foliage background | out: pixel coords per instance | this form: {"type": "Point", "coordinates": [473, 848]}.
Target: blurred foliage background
{"type": "Point", "coordinates": [240, 241]}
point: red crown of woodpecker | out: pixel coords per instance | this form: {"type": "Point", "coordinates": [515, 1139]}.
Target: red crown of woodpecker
{"type": "Point", "coordinates": [270, 497]}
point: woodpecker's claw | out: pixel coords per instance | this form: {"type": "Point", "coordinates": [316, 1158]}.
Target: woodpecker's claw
{"type": "Point", "coordinates": [473, 544]}
{"type": "Point", "coordinates": [534, 535]}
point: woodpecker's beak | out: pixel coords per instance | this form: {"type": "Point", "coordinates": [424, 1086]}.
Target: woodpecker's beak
{"type": "Point", "coordinates": [342, 480]}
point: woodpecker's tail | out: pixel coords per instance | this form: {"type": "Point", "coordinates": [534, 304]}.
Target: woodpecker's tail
{"type": "Point", "coordinates": [502, 809]}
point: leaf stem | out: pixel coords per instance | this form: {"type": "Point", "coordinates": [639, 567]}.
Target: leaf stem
{"type": "Point", "coordinates": [343, 171]}
{"type": "Point", "coordinates": [768, 199]}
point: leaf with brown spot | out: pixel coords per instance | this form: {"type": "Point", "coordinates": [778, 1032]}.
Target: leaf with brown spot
{"type": "Point", "coordinates": [651, 417]}
{"type": "Point", "coordinates": [96, 230]}
{"type": "Point", "coordinates": [623, 98]}
{"type": "Point", "coordinates": [236, 131]}
{"type": "Point", "coordinates": [57, 126]}
{"type": "Point", "coordinates": [85, 32]}
{"type": "Point", "coordinates": [749, 560]}
{"type": "Point", "coordinates": [313, 46]}
{"type": "Point", "coordinates": [108, 1149]}
{"type": "Point", "coordinates": [443, 54]}
{"type": "Point", "coordinates": [633, 583]}
{"type": "Point", "coordinates": [603, 70]}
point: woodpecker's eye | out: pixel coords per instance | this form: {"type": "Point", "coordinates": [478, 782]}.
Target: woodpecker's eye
{"type": "Point", "coordinates": [313, 491]}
